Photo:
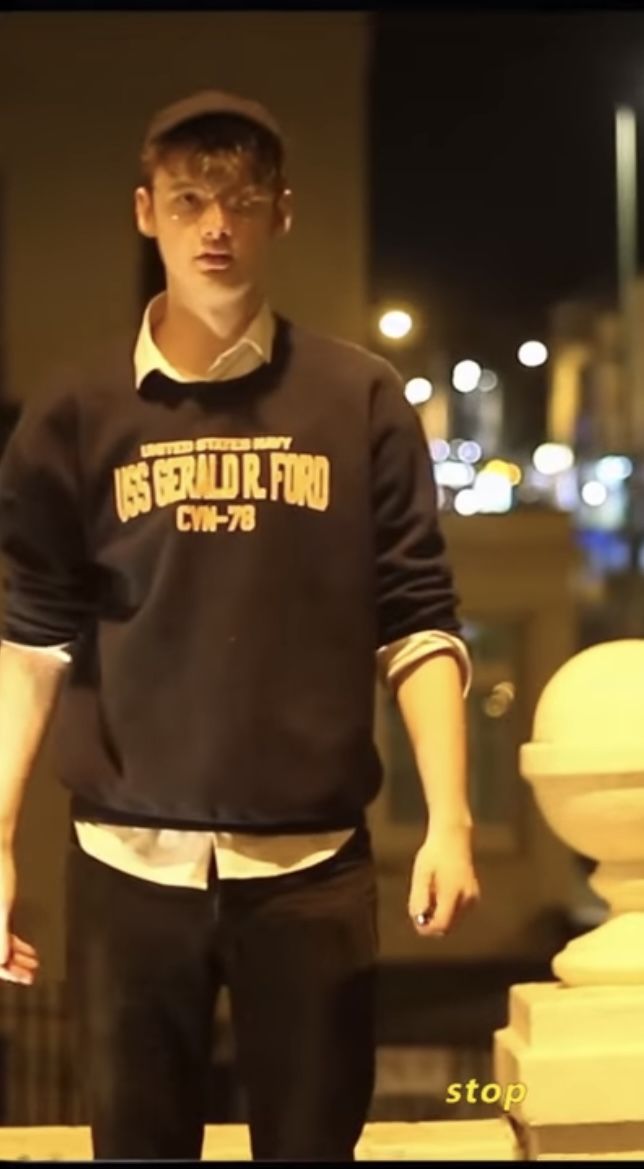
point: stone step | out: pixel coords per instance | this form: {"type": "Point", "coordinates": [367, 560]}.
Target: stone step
{"type": "Point", "coordinates": [467, 1140]}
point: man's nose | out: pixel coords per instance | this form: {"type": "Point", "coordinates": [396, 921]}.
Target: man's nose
{"type": "Point", "coordinates": [215, 219]}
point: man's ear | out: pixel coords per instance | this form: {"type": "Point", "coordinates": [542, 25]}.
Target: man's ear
{"type": "Point", "coordinates": [284, 212]}
{"type": "Point", "coordinates": [144, 212]}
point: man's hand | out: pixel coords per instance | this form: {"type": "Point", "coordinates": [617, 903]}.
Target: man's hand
{"type": "Point", "coordinates": [443, 880]}
{"type": "Point", "coordinates": [18, 960]}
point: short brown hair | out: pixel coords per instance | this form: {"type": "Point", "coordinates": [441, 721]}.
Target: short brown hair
{"type": "Point", "coordinates": [218, 141]}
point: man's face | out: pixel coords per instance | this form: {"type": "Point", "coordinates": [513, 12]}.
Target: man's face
{"type": "Point", "coordinates": [213, 226]}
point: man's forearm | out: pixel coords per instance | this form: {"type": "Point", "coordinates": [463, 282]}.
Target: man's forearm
{"type": "Point", "coordinates": [430, 698]}
{"type": "Point", "coordinates": [29, 686]}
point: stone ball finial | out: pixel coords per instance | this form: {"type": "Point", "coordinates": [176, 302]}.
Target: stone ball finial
{"type": "Point", "coordinates": [586, 766]}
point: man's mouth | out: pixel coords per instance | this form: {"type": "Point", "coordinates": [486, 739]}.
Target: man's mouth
{"type": "Point", "coordinates": [215, 259]}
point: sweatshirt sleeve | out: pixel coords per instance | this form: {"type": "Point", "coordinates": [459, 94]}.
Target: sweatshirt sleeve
{"type": "Point", "coordinates": [415, 589]}
{"type": "Point", "coordinates": [47, 591]}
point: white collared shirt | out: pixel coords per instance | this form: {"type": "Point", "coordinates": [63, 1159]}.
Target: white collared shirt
{"type": "Point", "coordinates": [245, 355]}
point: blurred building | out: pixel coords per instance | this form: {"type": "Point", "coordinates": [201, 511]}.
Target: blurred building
{"type": "Point", "coordinates": [595, 409]}
{"type": "Point", "coordinates": [594, 405]}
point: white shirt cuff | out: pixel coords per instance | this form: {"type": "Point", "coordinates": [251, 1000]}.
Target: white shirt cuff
{"type": "Point", "coordinates": [392, 659]}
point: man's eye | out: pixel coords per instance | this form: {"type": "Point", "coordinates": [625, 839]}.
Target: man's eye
{"type": "Point", "coordinates": [233, 202]}
{"type": "Point", "coordinates": [243, 204]}
{"type": "Point", "coordinates": [186, 201]}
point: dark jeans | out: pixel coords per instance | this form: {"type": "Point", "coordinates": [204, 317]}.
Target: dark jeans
{"type": "Point", "coordinates": [298, 953]}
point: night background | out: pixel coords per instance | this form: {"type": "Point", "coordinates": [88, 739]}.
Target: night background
{"type": "Point", "coordinates": [483, 201]}
{"type": "Point", "coordinates": [493, 171]}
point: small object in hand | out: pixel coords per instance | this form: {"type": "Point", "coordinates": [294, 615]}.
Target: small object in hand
{"type": "Point", "coordinates": [423, 918]}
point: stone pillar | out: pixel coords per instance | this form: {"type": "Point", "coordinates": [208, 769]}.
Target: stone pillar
{"type": "Point", "coordinates": [577, 1044]}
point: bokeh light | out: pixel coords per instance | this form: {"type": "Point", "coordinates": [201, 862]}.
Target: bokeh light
{"type": "Point", "coordinates": [532, 353]}
{"type": "Point", "coordinates": [395, 324]}
{"type": "Point", "coordinates": [551, 458]}
{"type": "Point", "coordinates": [493, 491]}
{"type": "Point", "coordinates": [469, 452]}
{"type": "Point", "coordinates": [613, 469]}
{"type": "Point", "coordinates": [466, 502]}
{"type": "Point", "coordinates": [510, 471]}
{"type": "Point", "coordinates": [488, 381]}
{"type": "Point", "coordinates": [418, 390]}
{"type": "Point", "coordinates": [439, 450]}
{"type": "Point", "coordinates": [594, 493]}
{"type": "Point", "coordinates": [454, 475]}
{"type": "Point", "coordinates": [466, 376]}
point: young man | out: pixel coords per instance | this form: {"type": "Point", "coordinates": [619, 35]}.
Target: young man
{"type": "Point", "coordinates": [214, 532]}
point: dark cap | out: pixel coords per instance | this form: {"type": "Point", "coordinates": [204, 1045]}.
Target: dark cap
{"type": "Point", "coordinates": [211, 101]}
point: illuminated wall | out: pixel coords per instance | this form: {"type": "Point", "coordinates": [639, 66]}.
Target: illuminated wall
{"type": "Point", "coordinates": [78, 90]}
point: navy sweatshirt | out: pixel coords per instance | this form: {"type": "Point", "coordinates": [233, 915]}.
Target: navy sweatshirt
{"type": "Point", "coordinates": [190, 537]}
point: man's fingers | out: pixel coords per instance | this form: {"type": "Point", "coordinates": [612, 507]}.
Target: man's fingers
{"type": "Point", "coordinates": [441, 919]}
{"type": "Point", "coordinates": [12, 974]}
{"type": "Point", "coordinates": [20, 965]}
{"type": "Point", "coordinates": [422, 892]}
{"type": "Point", "coordinates": [472, 898]}
{"type": "Point", "coordinates": [449, 904]}
{"type": "Point", "coordinates": [19, 946]}
{"type": "Point", "coordinates": [441, 887]}
{"type": "Point", "coordinates": [22, 962]}
{"type": "Point", "coordinates": [445, 910]}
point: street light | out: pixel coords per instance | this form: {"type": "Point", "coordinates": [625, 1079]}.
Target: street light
{"type": "Point", "coordinates": [532, 354]}
{"type": "Point", "coordinates": [395, 324]}
{"type": "Point", "coordinates": [418, 390]}
{"type": "Point", "coordinates": [552, 458]}
{"type": "Point", "coordinates": [439, 450]}
{"type": "Point", "coordinates": [613, 469]}
{"type": "Point", "coordinates": [627, 256]}
{"type": "Point", "coordinates": [466, 376]}
{"type": "Point", "coordinates": [627, 266]}
{"type": "Point", "coordinates": [469, 451]}
{"type": "Point", "coordinates": [594, 494]}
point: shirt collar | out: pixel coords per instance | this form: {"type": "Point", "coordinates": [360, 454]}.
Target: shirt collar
{"type": "Point", "coordinates": [258, 338]}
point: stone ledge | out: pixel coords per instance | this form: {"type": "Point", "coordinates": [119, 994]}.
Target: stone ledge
{"type": "Point", "coordinates": [585, 1142]}
{"type": "Point", "coordinates": [448, 1140]}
